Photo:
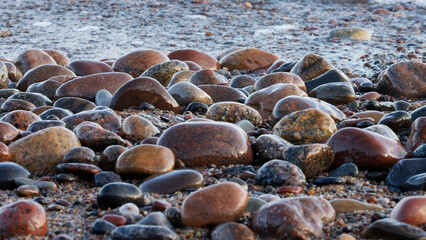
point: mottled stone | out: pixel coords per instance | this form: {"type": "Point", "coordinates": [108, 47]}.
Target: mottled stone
{"type": "Point", "coordinates": [8, 132]}
{"type": "Point", "coordinates": [311, 66]}
{"type": "Point", "coordinates": [398, 120]}
{"type": "Point", "coordinates": [74, 104]}
{"type": "Point", "coordinates": [312, 159]}
{"type": "Point", "coordinates": [305, 126]}
{"type": "Point", "coordinates": [280, 77]}
{"type": "Point", "coordinates": [352, 33]}
{"type": "Point", "coordinates": [145, 160]}
{"type": "Point", "coordinates": [392, 229]}
{"type": "Point", "coordinates": [292, 104]}
{"type": "Point", "coordinates": [109, 157]}
{"type": "Point", "coordinates": [163, 72]}
{"type": "Point", "coordinates": [28, 191]}
{"type": "Point", "coordinates": [143, 232]}
{"type": "Point", "coordinates": [277, 173]}
{"type": "Point", "coordinates": [233, 112]}
{"type": "Point", "coordinates": [343, 205]}
{"type": "Point", "coordinates": [207, 76]}
{"type": "Point", "coordinates": [265, 99]}
{"type": "Point", "coordinates": [55, 111]}
{"type": "Point", "coordinates": [404, 169]}
{"type": "Point", "coordinates": [20, 119]}
{"type": "Point", "coordinates": [204, 143]}
{"type": "Point", "coordinates": [242, 81]}
{"type": "Point", "coordinates": [35, 98]}
{"type": "Point", "coordinates": [103, 178]}
{"type": "Point", "coordinates": [41, 151]}
{"type": "Point", "coordinates": [42, 73]}
{"type": "Point", "coordinates": [291, 218]}
{"type": "Point", "coordinates": [87, 87]}
{"type": "Point", "coordinates": [204, 60]}
{"type": "Point", "coordinates": [370, 96]}
{"type": "Point", "coordinates": [220, 93]}
{"type": "Point", "coordinates": [40, 125]}
{"type": "Point", "coordinates": [137, 62]}
{"type": "Point", "coordinates": [366, 149]}
{"type": "Point", "coordinates": [404, 79]}
{"type": "Point", "coordinates": [417, 134]}
{"type": "Point", "coordinates": [88, 67]}
{"type": "Point", "coordinates": [248, 59]}
{"type": "Point", "coordinates": [232, 230]}
{"type": "Point", "coordinates": [22, 218]}
{"type": "Point", "coordinates": [143, 89]}
{"type": "Point", "coordinates": [105, 118]}
{"type": "Point", "coordinates": [116, 194]}
{"type": "Point", "coordinates": [94, 136]}
{"type": "Point", "coordinates": [270, 147]}
{"type": "Point", "coordinates": [185, 93]}
{"type": "Point", "coordinates": [334, 93]}
{"type": "Point", "coordinates": [347, 169]}
{"type": "Point", "coordinates": [171, 182]}
{"type": "Point", "coordinates": [138, 128]}
{"type": "Point", "coordinates": [47, 88]}
{"type": "Point", "coordinates": [383, 130]}
{"type": "Point", "coordinates": [208, 206]}
{"type": "Point", "coordinates": [79, 155]}
{"type": "Point", "coordinates": [9, 171]}
{"type": "Point", "coordinates": [32, 58]}
{"type": "Point", "coordinates": [16, 104]}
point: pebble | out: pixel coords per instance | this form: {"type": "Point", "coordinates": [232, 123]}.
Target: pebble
{"type": "Point", "coordinates": [397, 121]}
{"type": "Point", "coordinates": [46, 185]}
{"type": "Point", "coordinates": [305, 126]}
{"type": "Point", "coordinates": [28, 191]}
{"type": "Point", "coordinates": [197, 107]}
{"type": "Point", "coordinates": [242, 81]}
{"type": "Point", "coordinates": [8, 132]}
{"type": "Point", "coordinates": [4, 153]}
{"type": "Point", "coordinates": [145, 160]}
{"type": "Point", "coordinates": [311, 159]}
{"type": "Point", "coordinates": [404, 169]}
{"type": "Point", "coordinates": [295, 217]}
{"type": "Point", "coordinates": [109, 157]}
{"type": "Point", "coordinates": [116, 194]}
{"type": "Point", "coordinates": [271, 147]}
{"type": "Point", "coordinates": [248, 59]}
{"type": "Point", "coordinates": [411, 210]}
{"type": "Point", "coordinates": [20, 119]}
{"type": "Point", "coordinates": [419, 112]}
{"type": "Point", "coordinates": [22, 218]}
{"type": "Point", "coordinates": [347, 169]}
{"type": "Point", "coordinates": [233, 112]}
{"type": "Point", "coordinates": [42, 73]}
{"type": "Point", "coordinates": [185, 93]}
{"type": "Point", "coordinates": [417, 134]}
{"type": "Point", "coordinates": [220, 93]}
{"type": "Point", "coordinates": [181, 76]}
{"type": "Point", "coordinates": [332, 76]}
{"type": "Point", "coordinates": [352, 33]}
{"type": "Point", "coordinates": [35, 98]}
{"type": "Point", "coordinates": [376, 115]}
{"type": "Point", "coordinates": [311, 66]}
{"type": "Point", "coordinates": [342, 205]}
{"type": "Point", "coordinates": [163, 72]}
{"type": "Point", "coordinates": [171, 182]}
{"type": "Point", "coordinates": [246, 125]}
{"type": "Point", "coordinates": [383, 130]}
{"type": "Point", "coordinates": [388, 228]}
{"type": "Point", "coordinates": [107, 119]}
{"type": "Point", "coordinates": [88, 67]}
{"type": "Point", "coordinates": [137, 62]}
{"type": "Point", "coordinates": [136, 231]}
{"type": "Point", "coordinates": [334, 93]}
{"type": "Point", "coordinates": [55, 111]}
{"type": "Point", "coordinates": [79, 155]}
{"type": "Point", "coordinates": [102, 227]}
{"type": "Point", "coordinates": [204, 60]}
{"type": "Point", "coordinates": [15, 104]}
{"type": "Point", "coordinates": [43, 124]}
{"type": "Point", "coordinates": [160, 205]}
{"type": "Point", "coordinates": [19, 181]}
{"type": "Point", "coordinates": [103, 97]}
{"type": "Point", "coordinates": [65, 178]}
{"type": "Point", "coordinates": [279, 77]}
{"type": "Point", "coordinates": [47, 88]}
{"type": "Point", "coordinates": [277, 173]}
{"type": "Point", "coordinates": [4, 75]}
{"type": "Point", "coordinates": [208, 206]}
{"type": "Point", "coordinates": [128, 209]}
{"type": "Point", "coordinates": [94, 136]}
{"type": "Point", "coordinates": [105, 177]}
{"type": "Point", "coordinates": [117, 220]}
{"type": "Point", "coordinates": [215, 143]}
{"type": "Point", "coordinates": [74, 104]}
{"type": "Point", "coordinates": [156, 219]}
{"type": "Point", "coordinates": [419, 152]}
{"type": "Point", "coordinates": [232, 230]}
{"type": "Point", "coordinates": [84, 170]}
{"type": "Point", "coordinates": [328, 181]}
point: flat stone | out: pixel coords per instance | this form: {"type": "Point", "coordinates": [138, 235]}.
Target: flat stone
{"type": "Point", "coordinates": [352, 33]}
{"type": "Point", "coordinates": [171, 182]}
{"type": "Point", "coordinates": [116, 194]}
{"type": "Point", "coordinates": [79, 155]}
{"type": "Point", "coordinates": [35, 98]}
{"type": "Point", "coordinates": [208, 206]}
{"type": "Point", "coordinates": [117, 220]}
{"type": "Point", "coordinates": [88, 67]}
{"type": "Point", "coordinates": [40, 152]}
{"type": "Point", "coordinates": [94, 136]}
{"type": "Point", "coordinates": [312, 159]}
{"type": "Point", "coordinates": [393, 230]}
{"type": "Point", "coordinates": [102, 227]}
{"type": "Point", "coordinates": [42, 73]}
{"type": "Point", "coordinates": [204, 60]}
{"type": "Point", "coordinates": [185, 93]}
{"type": "Point", "coordinates": [137, 62]}
{"type": "Point", "coordinates": [15, 104]}
{"type": "Point", "coordinates": [136, 231]}
{"type": "Point", "coordinates": [311, 66]}
{"type": "Point", "coordinates": [248, 59]}
{"type": "Point", "coordinates": [107, 119]}
{"type": "Point", "coordinates": [233, 112]}
{"type": "Point", "coordinates": [366, 149]}
{"type": "Point", "coordinates": [305, 126]}
{"type": "Point", "coordinates": [342, 205]}
{"type": "Point", "coordinates": [242, 81]}
{"type": "Point", "coordinates": [47, 88]}
{"type": "Point", "coordinates": [74, 104]}
{"type": "Point", "coordinates": [207, 76]}
{"type": "Point", "coordinates": [32, 58]}
{"type": "Point", "coordinates": [145, 160]}
{"type": "Point", "coordinates": [277, 173]}
{"type": "Point", "coordinates": [22, 218]}
{"type": "Point", "coordinates": [143, 89]}
{"type": "Point", "coordinates": [163, 72]}
{"type": "Point", "coordinates": [40, 125]}
{"type": "Point", "coordinates": [84, 170]}
{"type": "Point", "coordinates": [334, 93]}
{"type": "Point", "coordinates": [417, 134]}
{"type": "Point", "coordinates": [295, 217]}
{"type": "Point", "coordinates": [280, 77]}
{"type": "Point", "coordinates": [232, 230]}
{"type": "Point", "coordinates": [376, 115]}
{"type": "Point", "coordinates": [5, 93]}
{"type": "Point", "coordinates": [9, 171]}
{"type": "Point", "coordinates": [214, 143]}
{"type": "Point", "coordinates": [220, 93]}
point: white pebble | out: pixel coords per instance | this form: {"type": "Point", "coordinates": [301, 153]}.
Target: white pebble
{"type": "Point", "coordinates": [128, 209]}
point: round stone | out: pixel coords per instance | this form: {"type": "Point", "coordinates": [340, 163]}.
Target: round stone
{"type": "Point", "coordinates": [137, 62]}
{"type": "Point", "coordinates": [181, 76]}
{"type": "Point", "coordinates": [311, 66]}
{"type": "Point", "coordinates": [145, 160]}
{"type": "Point", "coordinates": [59, 57]}
{"type": "Point", "coordinates": [138, 128]}
{"type": "Point", "coordinates": [383, 130]}
{"type": "Point", "coordinates": [102, 227]}
{"type": "Point", "coordinates": [204, 60]}
{"type": "Point", "coordinates": [103, 97]}
{"type": "Point", "coordinates": [277, 173]}
{"type": "Point", "coordinates": [220, 93]}
{"type": "Point", "coordinates": [9, 171]}
{"type": "Point", "coordinates": [353, 33]}
{"type": "Point", "coordinates": [397, 121]}
{"type": "Point", "coordinates": [128, 209]}
{"type": "Point", "coordinates": [40, 125]}
{"type": "Point", "coordinates": [94, 136]}
{"type": "Point", "coordinates": [79, 155]}
{"type": "Point", "coordinates": [171, 182]}
{"type": "Point", "coordinates": [136, 231]}
{"type": "Point", "coordinates": [106, 118]}
{"type": "Point", "coordinates": [109, 157]}
{"type": "Point", "coordinates": [388, 228]}
{"type": "Point", "coordinates": [242, 81]}
{"type": "Point", "coordinates": [55, 111]}
{"type": "Point", "coordinates": [208, 206]}
{"type": "Point", "coordinates": [186, 93]}
{"type": "Point", "coordinates": [270, 147]}
{"type": "Point", "coordinates": [248, 59]}
{"type": "Point", "coordinates": [42, 73]}
{"type": "Point", "coordinates": [88, 67]}
{"type": "Point", "coordinates": [117, 220]}
{"type": "Point", "coordinates": [28, 191]}
{"type": "Point", "coordinates": [376, 115]}
{"type": "Point", "coordinates": [105, 177]}
{"type": "Point", "coordinates": [233, 112]}
{"type": "Point", "coordinates": [47, 88]}
{"type": "Point", "coordinates": [8, 132]}
{"type": "Point", "coordinates": [280, 77]}
{"type": "Point", "coordinates": [163, 72]}
{"type": "Point", "coordinates": [411, 210]}
{"type": "Point", "coordinates": [334, 93]}
{"type": "Point", "coordinates": [20, 119]}
{"type": "Point", "coordinates": [4, 153]}
{"type": "Point", "coordinates": [35, 98]}
{"type": "Point", "coordinates": [232, 230]}
{"type": "Point", "coordinates": [207, 76]}
{"type": "Point", "coordinates": [116, 194]}
{"type": "Point", "coordinates": [32, 58]}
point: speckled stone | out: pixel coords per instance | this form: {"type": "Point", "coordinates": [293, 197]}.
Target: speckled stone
{"type": "Point", "coordinates": [28, 191]}
{"type": "Point", "coordinates": [171, 182]}
{"type": "Point", "coordinates": [15, 104]}
{"type": "Point", "coordinates": [352, 33]}
{"type": "Point", "coordinates": [277, 173]}
{"type": "Point", "coordinates": [145, 160]}
{"type": "Point", "coordinates": [233, 112]}
{"type": "Point", "coordinates": [207, 206]}
{"type": "Point", "coordinates": [305, 126]}
{"type": "Point", "coordinates": [40, 125]}
{"type": "Point", "coordinates": [4, 76]}
{"type": "Point", "coordinates": [185, 93]}
{"type": "Point", "coordinates": [366, 149]}
{"type": "Point", "coordinates": [55, 111]}
{"type": "Point", "coordinates": [242, 81]}
{"type": "Point", "coordinates": [137, 62]}
{"type": "Point", "coordinates": [143, 89]}
{"type": "Point", "coordinates": [207, 76]}
{"type": "Point", "coordinates": [41, 151]}
{"type": "Point", "coordinates": [94, 136]}
{"type": "Point", "coordinates": [20, 119]}
{"type": "Point", "coordinates": [22, 218]}
{"type": "Point", "coordinates": [107, 119]}
{"type": "Point", "coordinates": [295, 217]}
{"type": "Point", "coordinates": [248, 59]}
{"type": "Point", "coordinates": [232, 230]}
{"type": "Point", "coordinates": [88, 67]}
{"type": "Point", "coordinates": [74, 104]}
{"type": "Point", "coordinates": [311, 66]}
{"type": "Point", "coordinates": [204, 60]}
{"type": "Point", "coordinates": [383, 130]}
{"type": "Point", "coordinates": [79, 155]}
{"type": "Point", "coordinates": [312, 159]}
{"type": "Point", "coordinates": [280, 77]}
{"type": "Point", "coordinates": [138, 128]}
{"type": "Point", "coordinates": [116, 194]}
{"type": "Point", "coordinates": [264, 100]}
{"type": "Point", "coordinates": [35, 98]}
{"type": "Point", "coordinates": [213, 142]}
{"type": "Point", "coordinates": [42, 73]}
{"type": "Point", "coordinates": [270, 147]}
{"type": "Point", "coordinates": [163, 72]}
{"type": "Point", "coordinates": [404, 79]}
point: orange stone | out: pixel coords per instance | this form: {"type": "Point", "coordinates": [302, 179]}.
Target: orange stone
{"type": "Point", "coordinates": [280, 77]}
{"type": "Point", "coordinates": [248, 59]}
{"type": "Point", "coordinates": [411, 210]}
{"type": "Point", "coordinates": [202, 59]}
{"type": "Point", "coordinates": [137, 62]}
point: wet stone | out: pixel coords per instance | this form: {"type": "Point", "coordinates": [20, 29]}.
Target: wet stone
{"type": "Point", "coordinates": [79, 155]}
{"type": "Point", "coordinates": [74, 104]}
{"type": "Point", "coordinates": [397, 121]}
{"type": "Point", "coordinates": [106, 177]}
{"type": "Point", "coordinates": [392, 229]}
{"type": "Point", "coordinates": [197, 107]}
{"type": "Point", "coordinates": [404, 169]}
{"type": "Point", "coordinates": [248, 59]}
{"type": "Point", "coordinates": [420, 112]}
{"type": "Point", "coordinates": [20, 119]}
{"type": "Point", "coordinates": [296, 217]}
{"type": "Point", "coordinates": [8, 132]}
{"type": "Point", "coordinates": [373, 96]}
{"type": "Point", "coordinates": [207, 206]}
{"type": "Point", "coordinates": [332, 77]}
{"type": "Point", "coordinates": [136, 231]}
{"type": "Point", "coordinates": [171, 182]}
{"type": "Point", "coordinates": [277, 173]}
{"type": "Point", "coordinates": [328, 181]}
{"type": "Point", "coordinates": [233, 112]}
{"type": "Point", "coordinates": [137, 62]}
{"type": "Point", "coordinates": [109, 157]}
{"type": "Point", "coordinates": [102, 227]}
{"type": "Point", "coordinates": [92, 135]}
{"type": "Point", "coordinates": [107, 119]}
{"type": "Point", "coordinates": [305, 126]}
{"type": "Point", "coordinates": [156, 219]}
{"type": "Point", "coordinates": [420, 152]}
{"type": "Point", "coordinates": [220, 93]}
{"type": "Point", "coordinates": [247, 126]}
{"type": "Point", "coordinates": [215, 142]}
{"type": "Point", "coordinates": [65, 178]}
{"type": "Point", "coordinates": [383, 130]}
{"type": "Point", "coordinates": [334, 93]}
{"type": "Point", "coordinates": [15, 104]}
{"type": "Point", "coordinates": [232, 231]}
{"type": "Point", "coordinates": [56, 111]}
{"type": "Point", "coordinates": [19, 181]}
{"type": "Point", "coordinates": [87, 67]}
{"type": "Point", "coordinates": [163, 72]}
{"type": "Point", "coordinates": [22, 218]}
{"type": "Point", "coordinates": [242, 81]}
{"type": "Point", "coordinates": [186, 93]}
{"type": "Point", "coordinates": [417, 134]}
{"type": "Point", "coordinates": [117, 220]}
{"type": "Point", "coordinates": [84, 170]}
{"type": "Point", "coordinates": [254, 204]}
{"type": "Point", "coordinates": [28, 191]}
{"type": "Point", "coordinates": [45, 185]}
{"type": "Point", "coordinates": [310, 67]}
{"type": "Point", "coordinates": [376, 115]}
{"type": "Point", "coordinates": [401, 105]}
{"type": "Point", "coordinates": [415, 183]}
{"type": "Point", "coordinates": [138, 128]}
{"type": "Point", "coordinates": [202, 59]}
{"type": "Point", "coordinates": [40, 125]}
{"type": "Point", "coordinates": [116, 194]}
{"type": "Point", "coordinates": [9, 171]}
{"type": "Point", "coordinates": [160, 205]}
{"type": "Point", "coordinates": [311, 159]}
{"type": "Point", "coordinates": [274, 78]}
{"type": "Point", "coordinates": [352, 33]}
{"type": "Point", "coordinates": [347, 169]}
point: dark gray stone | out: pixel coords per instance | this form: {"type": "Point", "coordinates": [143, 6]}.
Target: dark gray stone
{"type": "Point", "coordinates": [102, 227]}
{"type": "Point", "coordinates": [404, 169]}
{"type": "Point", "coordinates": [392, 229]}
{"type": "Point", "coordinates": [143, 232]}
{"type": "Point", "coordinates": [105, 177]}
{"type": "Point", "coordinates": [8, 172]}
{"type": "Point", "coordinates": [347, 169]}
{"type": "Point", "coordinates": [116, 194]}
{"type": "Point", "coordinates": [156, 219]}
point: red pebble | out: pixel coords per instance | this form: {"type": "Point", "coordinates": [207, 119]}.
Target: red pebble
{"type": "Point", "coordinates": [289, 189]}
{"type": "Point", "coordinates": [117, 220]}
{"type": "Point", "coordinates": [160, 205]}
